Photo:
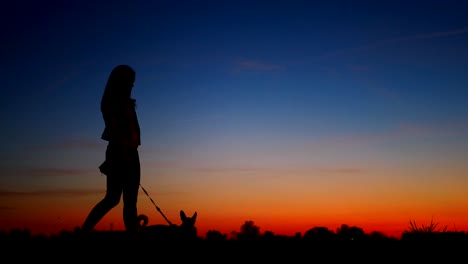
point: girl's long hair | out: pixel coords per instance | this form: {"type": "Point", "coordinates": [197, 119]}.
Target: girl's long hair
{"type": "Point", "coordinates": [118, 87]}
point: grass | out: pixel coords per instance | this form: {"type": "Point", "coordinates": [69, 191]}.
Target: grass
{"type": "Point", "coordinates": [414, 228]}
{"type": "Point", "coordinates": [432, 232]}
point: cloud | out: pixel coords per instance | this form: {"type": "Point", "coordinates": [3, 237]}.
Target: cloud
{"type": "Point", "coordinates": [414, 129]}
{"type": "Point", "coordinates": [257, 65]}
{"type": "Point", "coordinates": [341, 170]}
{"type": "Point", "coordinates": [38, 172]}
{"type": "Point", "coordinates": [70, 143]}
{"type": "Point", "coordinates": [400, 131]}
{"type": "Point", "coordinates": [41, 172]}
{"type": "Point", "coordinates": [215, 170]}
{"type": "Point", "coordinates": [276, 171]}
{"type": "Point", "coordinates": [58, 192]}
{"type": "Point", "coordinates": [63, 193]}
{"type": "Point", "coordinates": [433, 35]}
{"type": "Point", "coordinates": [389, 41]}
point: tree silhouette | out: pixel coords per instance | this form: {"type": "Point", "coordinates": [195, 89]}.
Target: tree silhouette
{"type": "Point", "coordinates": [248, 231]}
{"type": "Point", "coordinates": [346, 232]}
{"type": "Point", "coordinates": [215, 235]}
{"type": "Point", "coordinates": [319, 233]}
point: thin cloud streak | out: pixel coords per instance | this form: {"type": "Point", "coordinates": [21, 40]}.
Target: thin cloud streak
{"type": "Point", "coordinates": [342, 170]}
{"type": "Point", "coordinates": [43, 172]}
{"type": "Point", "coordinates": [195, 119]}
{"type": "Point", "coordinates": [400, 131]}
{"type": "Point", "coordinates": [58, 192]}
{"type": "Point", "coordinates": [432, 35]}
{"type": "Point", "coordinates": [253, 65]}
{"type": "Point", "coordinates": [435, 34]}
{"type": "Point", "coordinates": [214, 170]}
{"type": "Point", "coordinates": [71, 143]}
{"type": "Point", "coordinates": [67, 193]}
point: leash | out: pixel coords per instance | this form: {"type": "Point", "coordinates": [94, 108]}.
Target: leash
{"type": "Point", "coordinates": [157, 208]}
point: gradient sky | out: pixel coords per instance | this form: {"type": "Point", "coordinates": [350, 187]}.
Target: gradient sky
{"type": "Point", "coordinates": [291, 114]}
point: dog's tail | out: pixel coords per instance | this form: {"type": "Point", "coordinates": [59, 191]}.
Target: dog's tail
{"type": "Point", "coordinates": [142, 221]}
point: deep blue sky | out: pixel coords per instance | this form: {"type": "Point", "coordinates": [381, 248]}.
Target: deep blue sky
{"type": "Point", "coordinates": [235, 85]}
{"type": "Point", "coordinates": [280, 60]}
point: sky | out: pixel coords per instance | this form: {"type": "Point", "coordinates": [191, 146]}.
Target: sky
{"type": "Point", "coordinates": [290, 114]}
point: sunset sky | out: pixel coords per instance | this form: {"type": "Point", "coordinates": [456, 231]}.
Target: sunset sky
{"type": "Point", "coordinates": [291, 114]}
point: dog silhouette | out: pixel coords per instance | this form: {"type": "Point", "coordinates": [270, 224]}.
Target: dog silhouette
{"type": "Point", "coordinates": [185, 231]}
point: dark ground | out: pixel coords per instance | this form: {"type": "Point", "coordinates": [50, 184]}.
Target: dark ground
{"type": "Point", "coordinates": [117, 247]}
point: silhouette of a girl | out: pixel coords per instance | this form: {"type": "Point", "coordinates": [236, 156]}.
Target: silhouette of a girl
{"type": "Point", "coordinates": [122, 162]}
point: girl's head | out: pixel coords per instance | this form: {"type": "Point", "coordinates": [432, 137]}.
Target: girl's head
{"type": "Point", "coordinates": [120, 82]}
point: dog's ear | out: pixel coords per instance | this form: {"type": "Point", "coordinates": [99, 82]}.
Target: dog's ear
{"type": "Point", "coordinates": [182, 215]}
{"type": "Point", "coordinates": [194, 216]}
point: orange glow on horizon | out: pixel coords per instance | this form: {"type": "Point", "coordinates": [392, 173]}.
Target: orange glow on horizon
{"type": "Point", "coordinates": [281, 209]}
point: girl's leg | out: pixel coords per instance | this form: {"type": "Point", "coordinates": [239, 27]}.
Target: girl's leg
{"type": "Point", "coordinates": [130, 193]}
{"type": "Point", "coordinates": [112, 198]}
